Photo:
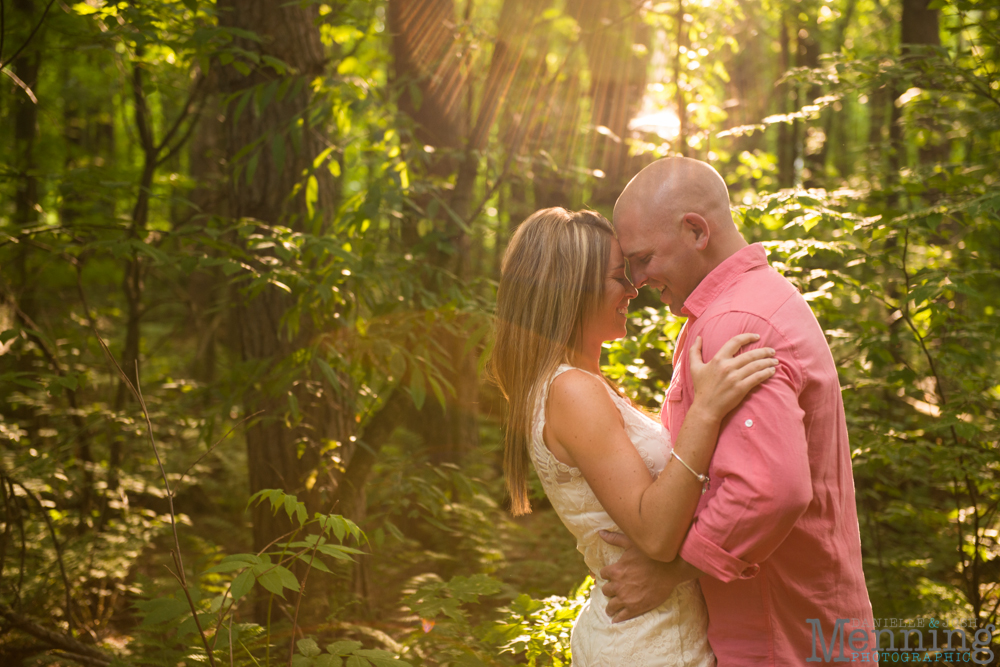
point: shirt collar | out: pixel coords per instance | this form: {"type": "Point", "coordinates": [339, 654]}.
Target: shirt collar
{"type": "Point", "coordinates": [722, 276]}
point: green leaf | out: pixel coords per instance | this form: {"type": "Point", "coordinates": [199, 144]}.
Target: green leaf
{"type": "Point", "coordinates": [162, 610]}
{"type": "Point", "coordinates": [314, 562]}
{"type": "Point", "coordinates": [242, 584]}
{"type": "Point", "coordinates": [278, 152]}
{"type": "Point", "coordinates": [321, 158]}
{"type": "Point", "coordinates": [312, 195]}
{"type": "Point", "coordinates": [265, 94]}
{"type": "Point", "coordinates": [417, 389]}
{"type": "Point", "coordinates": [279, 65]}
{"type": "Point", "coordinates": [436, 388]}
{"type": "Point", "coordinates": [231, 566]}
{"type": "Point", "coordinates": [84, 9]}
{"type": "Point", "coordinates": [244, 97]}
{"type": "Point", "coordinates": [308, 647]}
{"type": "Point", "coordinates": [338, 552]}
{"type": "Point", "coordinates": [252, 166]}
{"type": "Point", "coordinates": [379, 658]}
{"type": "Point", "coordinates": [330, 376]}
{"type": "Point", "coordinates": [342, 648]}
{"type": "Point", "coordinates": [338, 526]}
{"type": "Point", "coordinates": [288, 580]}
{"type": "Point", "coordinates": [327, 660]}
{"type": "Point", "coordinates": [271, 581]}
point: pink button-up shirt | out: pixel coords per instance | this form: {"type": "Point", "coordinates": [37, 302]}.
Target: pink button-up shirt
{"type": "Point", "coordinates": [777, 532]}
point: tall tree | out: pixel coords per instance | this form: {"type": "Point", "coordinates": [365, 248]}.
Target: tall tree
{"type": "Point", "coordinates": [268, 147]}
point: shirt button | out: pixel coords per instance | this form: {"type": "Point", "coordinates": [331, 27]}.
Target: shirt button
{"type": "Point", "coordinates": [748, 422]}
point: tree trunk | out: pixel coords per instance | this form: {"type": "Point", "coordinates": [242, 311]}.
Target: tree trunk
{"type": "Point", "coordinates": [919, 27]}
{"type": "Point", "coordinates": [610, 29]}
{"type": "Point", "coordinates": [787, 102]}
{"type": "Point", "coordinates": [919, 24]}
{"type": "Point", "coordinates": [25, 135]}
{"type": "Point", "coordinates": [748, 96]}
{"type": "Point", "coordinates": [279, 455]}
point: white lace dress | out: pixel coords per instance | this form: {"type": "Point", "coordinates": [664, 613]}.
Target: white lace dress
{"type": "Point", "coordinates": [673, 634]}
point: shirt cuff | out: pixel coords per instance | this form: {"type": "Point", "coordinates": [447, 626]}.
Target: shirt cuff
{"type": "Point", "coordinates": [714, 560]}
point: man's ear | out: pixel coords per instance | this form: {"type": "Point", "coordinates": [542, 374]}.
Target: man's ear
{"type": "Point", "coordinates": [697, 226]}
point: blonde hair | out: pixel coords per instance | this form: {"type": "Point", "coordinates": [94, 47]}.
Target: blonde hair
{"type": "Point", "coordinates": [552, 275]}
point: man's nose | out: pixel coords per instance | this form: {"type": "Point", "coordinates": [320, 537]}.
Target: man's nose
{"type": "Point", "coordinates": [639, 279]}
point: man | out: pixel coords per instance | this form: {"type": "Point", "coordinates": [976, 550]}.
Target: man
{"type": "Point", "coordinates": [775, 539]}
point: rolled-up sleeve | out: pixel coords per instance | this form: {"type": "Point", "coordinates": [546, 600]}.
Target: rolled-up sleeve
{"type": "Point", "coordinates": [761, 482]}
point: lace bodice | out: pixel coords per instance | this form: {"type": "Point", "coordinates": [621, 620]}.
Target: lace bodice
{"type": "Point", "coordinates": [568, 491]}
{"type": "Point", "coordinates": [674, 634]}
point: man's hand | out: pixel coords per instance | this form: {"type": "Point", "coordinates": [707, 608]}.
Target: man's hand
{"type": "Point", "coordinates": [637, 583]}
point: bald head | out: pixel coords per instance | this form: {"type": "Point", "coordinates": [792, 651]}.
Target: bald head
{"type": "Point", "coordinates": [667, 189]}
{"type": "Point", "coordinates": [675, 225]}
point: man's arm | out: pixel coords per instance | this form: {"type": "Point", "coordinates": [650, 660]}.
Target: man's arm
{"type": "Point", "coordinates": [636, 583]}
{"type": "Point", "coordinates": [761, 476]}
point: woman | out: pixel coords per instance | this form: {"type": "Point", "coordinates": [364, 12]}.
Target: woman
{"type": "Point", "coordinates": [602, 462]}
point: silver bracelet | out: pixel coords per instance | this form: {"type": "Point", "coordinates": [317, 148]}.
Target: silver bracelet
{"type": "Point", "coordinates": [705, 481]}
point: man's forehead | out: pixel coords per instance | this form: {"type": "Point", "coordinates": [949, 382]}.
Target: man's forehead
{"type": "Point", "coordinates": [632, 234]}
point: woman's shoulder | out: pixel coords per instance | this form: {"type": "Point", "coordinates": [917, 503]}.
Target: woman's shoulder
{"type": "Point", "coordinates": [572, 379]}
{"type": "Point", "coordinates": [575, 393]}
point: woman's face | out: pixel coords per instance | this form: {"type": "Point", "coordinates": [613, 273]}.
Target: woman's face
{"type": "Point", "coordinates": [608, 321]}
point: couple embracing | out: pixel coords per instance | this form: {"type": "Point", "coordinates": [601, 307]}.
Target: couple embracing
{"type": "Point", "coordinates": [728, 533]}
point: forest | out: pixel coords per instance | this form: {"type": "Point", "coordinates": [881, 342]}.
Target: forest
{"type": "Point", "coordinates": [249, 252]}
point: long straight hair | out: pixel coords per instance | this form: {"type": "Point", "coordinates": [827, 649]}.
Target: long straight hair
{"type": "Point", "coordinates": [552, 275]}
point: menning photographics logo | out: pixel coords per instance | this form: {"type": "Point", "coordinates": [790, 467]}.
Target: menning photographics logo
{"type": "Point", "coordinates": [922, 640]}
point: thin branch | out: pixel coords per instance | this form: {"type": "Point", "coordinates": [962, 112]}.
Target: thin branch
{"type": "Point", "coordinates": [74, 649]}
{"type": "Point", "coordinates": [178, 559]}
{"type": "Point", "coordinates": [55, 542]}
{"type": "Point", "coordinates": [141, 109]}
{"type": "Point", "coordinates": [232, 662]}
{"type": "Point", "coordinates": [184, 138]}
{"type": "Point", "coordinates": [21, 84]}
{"type": "Point", "coordinates": [298, 603]}
{"type": "Point", "coordinates": [4, 64]}
{"type": "Point", "coordinates": [182, 114]}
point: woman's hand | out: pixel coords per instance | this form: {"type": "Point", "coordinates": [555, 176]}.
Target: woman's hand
{"type": "Point", "coordinates": [723, 382]}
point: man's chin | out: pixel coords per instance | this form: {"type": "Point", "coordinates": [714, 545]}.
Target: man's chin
{"type": "Point", "coordinates": [676, 309]}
